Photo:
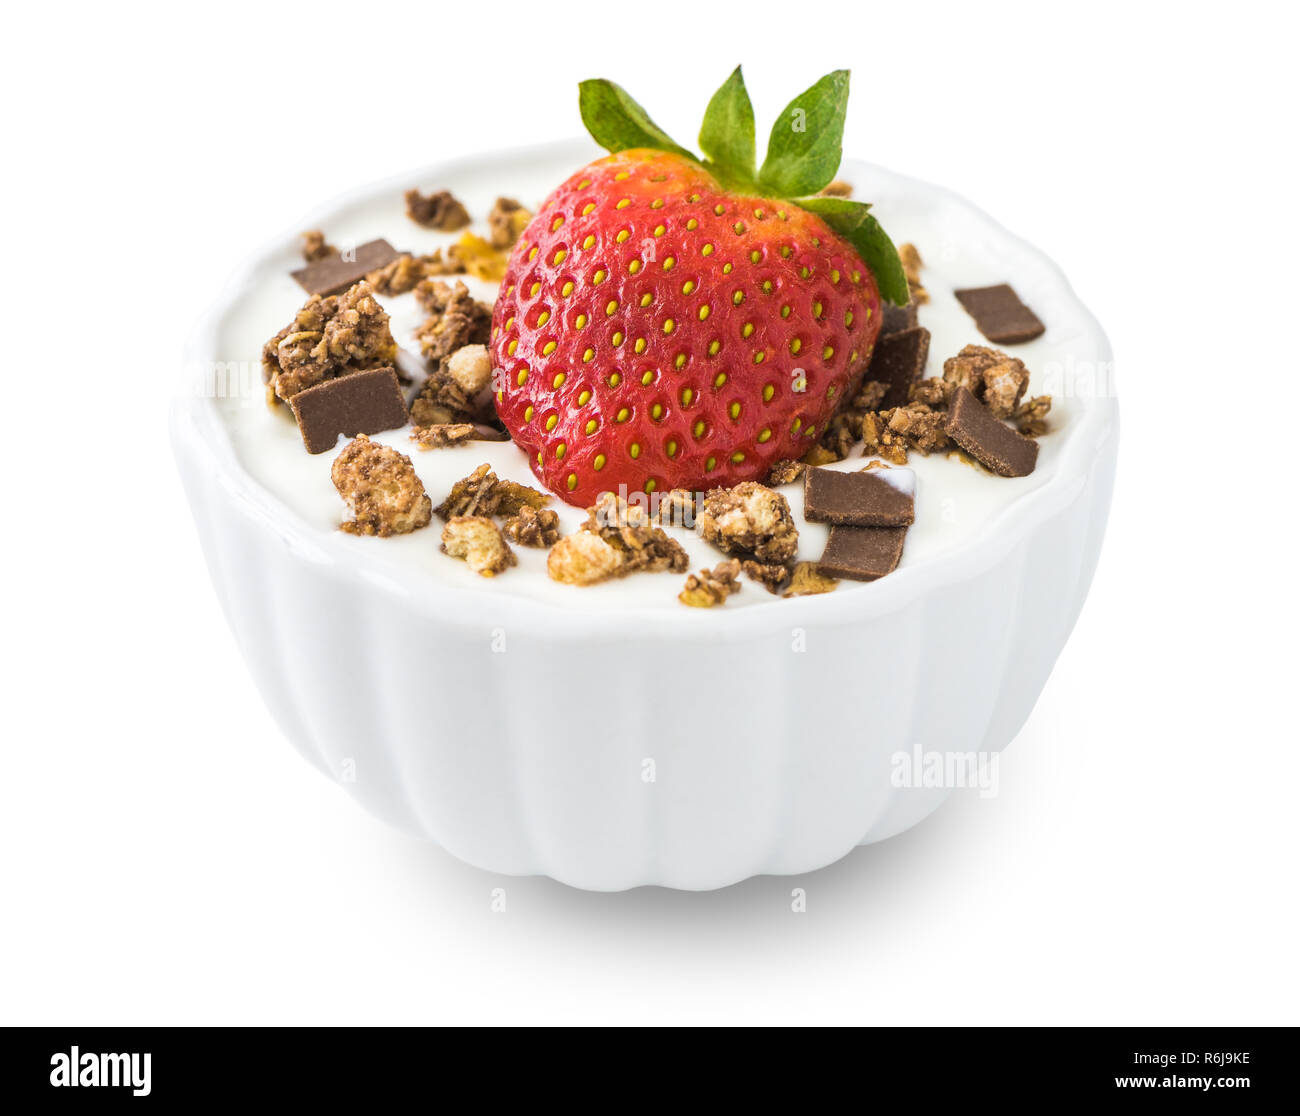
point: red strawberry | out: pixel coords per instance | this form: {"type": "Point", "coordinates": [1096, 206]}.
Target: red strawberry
{"type": "Point", "coordinates": [658, 329]}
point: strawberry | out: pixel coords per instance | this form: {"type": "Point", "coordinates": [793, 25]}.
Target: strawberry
{"type": "Point", "coordinates": [667, 322]}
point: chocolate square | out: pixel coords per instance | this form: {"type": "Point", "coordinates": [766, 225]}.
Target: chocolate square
{"type": "Point", "coordinates": [1000, 315]}
{"type": "Point", "coordinates": [988, 439]}
{"type": "Point", "coordinates": [862, 499]}
{"type": "Point", "coordinates": [899, 361]}
{"type": "Point", "coordinates": [895, 319]}
{"type": "Point", "coordinates": [862, 553]}
{"type": "Point", "coordinates": [334, 274]}
{"type": "Point", "coordinates": [359, 403]}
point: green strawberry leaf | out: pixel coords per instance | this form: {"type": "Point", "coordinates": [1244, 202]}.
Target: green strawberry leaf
{"type": "Point", "coordinates": [853, 221]}
{"type": "Point", "coordinates": [727, 134]}
{"type": "Point", "coordinates": [617, 122]}
{"type": "Point", "coordinates": [803, 152]}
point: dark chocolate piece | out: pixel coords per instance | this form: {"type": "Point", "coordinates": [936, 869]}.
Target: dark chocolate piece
{"type": "Point", "coordinates": [895, 319]}
{"type": "Point", "coordinates": [862, 553]}
{"type": "Point", "coordinates": [359, 403]}
{"type": "Point", "coordinates": [988, 439]}
{"type": "Point", "coordinates": [855, 500]}
{"type": "Point", "coordinates": [899, 361]}
{"type": "Point", "coordinates": [1000, 315]}
{"type": "Point", "coordinates": [335, 274]}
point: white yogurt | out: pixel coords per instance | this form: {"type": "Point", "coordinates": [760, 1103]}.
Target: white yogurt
{"type": "Point", "coordinates": [954, 500]}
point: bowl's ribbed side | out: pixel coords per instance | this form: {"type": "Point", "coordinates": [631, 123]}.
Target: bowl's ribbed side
{"type": "Point", "coordinates": [689, 763]}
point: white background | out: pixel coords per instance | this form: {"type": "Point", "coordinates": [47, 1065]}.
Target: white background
{"type": "Point", "coordinates": [168, 858]}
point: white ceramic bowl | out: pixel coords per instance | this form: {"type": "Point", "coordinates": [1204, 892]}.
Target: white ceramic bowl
{"type": "Point", "coordinates": [629, 746]}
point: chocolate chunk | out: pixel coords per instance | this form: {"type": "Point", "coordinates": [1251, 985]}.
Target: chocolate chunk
{"type": "Point", "coordinates": [862, 553]}
{"type": "Point", "coordinates": [895, 319]}
{"type": "Point", "coordinates": [864, 499]}
{"type": "Point", "coordinates": [358, 403]}
{"type": "Point", "coordinates": [899, 361]}
{"type": "Point", "coordinates": [1000, 315]}
{"type": "Point", "coordinates": [333, 274]}
{"type": "Point", "coordinates": [987, 439]}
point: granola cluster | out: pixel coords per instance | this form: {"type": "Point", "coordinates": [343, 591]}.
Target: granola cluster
{"type": "Point", "coordinates": [454, 337]}
{"type": "Point", "coordinates": [439, 210]}
{"type": "Point", "coordinates": [530, 526]}
{"type": "Point", "coordinates": [995, 379]}
{"type": "Point", "coordinates": [456, 319]}
{"type": "Point", "coordinates": [711, 587]}
{"type": "Point", "coordinates": [806, 579]}
{"type": "Point", "coordinates": [441, 402]}
{"type": "Point", "coordinates": [507, 221]}
{"type": "Point", "coordinates": [676, 508]}
{"type": "Point", "coordinates": [617, 539]}
{"type": "Point", "coordinates": [914, 426]}
{"type": "Point", "coordinates": [749, 521]}
{"type": "Point", "coordinates": [380, 487]}
{"type": "Point", "coordinates": [798, 580]}
{"type": "Point", "coordinates": [472, 534]}
{"type": "Point", "coordinates": [470, 255]}
{"type": "Point", "coordinates": [407, 272]}
{"type": "Point", "coordinates": [316, 247]}
{"type": "Point", "coordinates": [479, 541]}
{"type": "Point", "coordinates": [754, 524]}
{"type": "Point", "coordinates": [584, 558]}
{"type": "Point", "coordinates": [456, 393]}
{"type": "Point", "coordinates": [1030, 418]}
{"type": "Point", "coordinates": [484, 493]}
{"type": "Point", "coordinates": [441, 435]}
{"type": "Point", "coordinates": [785, 472]}
{"type": "Point", "coordinates": [471, 369]}
{"type": "Point", "coordinates": [912, 263]}
{"type": "Point", "coordinates": [328, 337]}
{"type": "Point", "coordinates": [845, 427]}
